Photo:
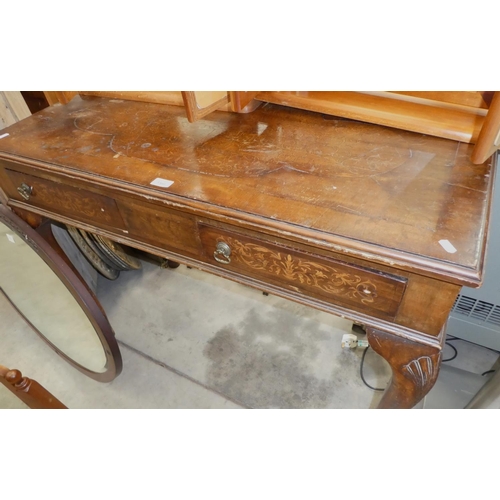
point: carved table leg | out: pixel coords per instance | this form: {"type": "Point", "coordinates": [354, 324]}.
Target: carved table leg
{"type": "Point", "coordinates": [415, 367]}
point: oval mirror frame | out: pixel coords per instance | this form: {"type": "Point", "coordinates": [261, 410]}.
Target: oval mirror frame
{"type": "Point", "coordinates": [47, 248]}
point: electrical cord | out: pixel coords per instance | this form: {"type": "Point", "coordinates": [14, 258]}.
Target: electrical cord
{"type": "Point", "coordinates": [361, 372]}
{"type": "Point", "coordinates": [454, 355]}
{"type": "Point", "coordinates": [451, 338]}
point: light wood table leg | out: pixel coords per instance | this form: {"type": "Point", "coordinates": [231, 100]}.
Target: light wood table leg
{"type": "Point", "coordinates": [415, 367]}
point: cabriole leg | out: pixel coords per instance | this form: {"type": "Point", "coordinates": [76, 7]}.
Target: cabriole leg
{"type": "Point", "coordinates": [415, 367]}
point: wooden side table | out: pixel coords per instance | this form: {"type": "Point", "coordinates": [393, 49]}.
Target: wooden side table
{"type": "Point", "coordinates": [378, 225]}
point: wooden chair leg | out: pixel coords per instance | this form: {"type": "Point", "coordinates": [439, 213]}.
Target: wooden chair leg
{"type": "Point", "coordinates": [29, 391]}
{"type": "Point", "coordinates": [415, 367]}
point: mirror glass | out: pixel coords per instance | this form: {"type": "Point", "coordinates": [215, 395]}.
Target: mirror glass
{"type": "Point", "coordinates": [45, 302]}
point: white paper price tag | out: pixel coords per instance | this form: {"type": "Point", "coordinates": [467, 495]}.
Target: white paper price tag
{"type": "Point", "coordinates": [164, 183]}
{"type": "Point", "coordinates": [447, 246]}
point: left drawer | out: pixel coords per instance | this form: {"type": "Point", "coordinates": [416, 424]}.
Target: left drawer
{"type": "Point", "coordinates": [68, 201]}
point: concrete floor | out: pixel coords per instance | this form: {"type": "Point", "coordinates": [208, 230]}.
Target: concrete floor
{"type": "Point", "coordinates": [192, 340]}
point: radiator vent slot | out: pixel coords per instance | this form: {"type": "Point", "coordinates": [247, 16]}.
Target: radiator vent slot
{"type": "Point", "coordinates": [477, 309]}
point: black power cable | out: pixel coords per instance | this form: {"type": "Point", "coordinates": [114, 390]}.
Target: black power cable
{"type": "Point", "coordinates": [450, 338]}
{"type": "Point", "coordinates": [361, 372]}
{"type": "Point", "coordinates": [454, 355]}
{"type": "Point", "coordinates": [487, 372]}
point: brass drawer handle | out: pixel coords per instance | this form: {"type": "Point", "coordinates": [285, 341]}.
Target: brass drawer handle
{"type": "Point", "coordinates": [222, 253]}
{"type": "Point", "coordinates": [25, 191]}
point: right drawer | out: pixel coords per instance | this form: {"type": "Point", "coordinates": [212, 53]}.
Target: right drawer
{"type": "Point", "coordinates": [330, 280]}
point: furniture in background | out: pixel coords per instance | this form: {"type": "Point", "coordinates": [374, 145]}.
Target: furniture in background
{"type": "Point", "coordinates": [29, 391]}
{"type": "Point", "coordinates": [471, 117]}
{"type": "Point", "coordinates": [12, 108]}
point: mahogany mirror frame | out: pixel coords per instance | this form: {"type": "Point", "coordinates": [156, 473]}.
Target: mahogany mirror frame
{"type": "Point", "coordinates": [57, 261]}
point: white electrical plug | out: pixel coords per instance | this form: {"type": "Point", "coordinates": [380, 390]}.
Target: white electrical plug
{"type": "Point", "coordinates": [349, 341]}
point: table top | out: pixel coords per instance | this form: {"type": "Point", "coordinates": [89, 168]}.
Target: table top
{"type": "Point", "coordinates": [353, 187]}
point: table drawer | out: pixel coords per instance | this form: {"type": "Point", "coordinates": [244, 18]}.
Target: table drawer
{"type": "Point", "coordinates": [367, 290]}
{"type": "Point", "coordinates": [160, 226]}
{"type": "Point", "coordinates": [72, 202]}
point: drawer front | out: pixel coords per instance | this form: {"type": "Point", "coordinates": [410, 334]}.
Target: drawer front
{"type": "Point", "coordinates": [61, 199]}
{"type": "Point", "coordinates": [161, 227]}
{"type": "Point", "coordinates": [330, 280]}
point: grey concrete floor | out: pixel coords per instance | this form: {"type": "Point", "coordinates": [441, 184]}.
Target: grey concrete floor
{"type": "Point", "coordinates": [193, 340]}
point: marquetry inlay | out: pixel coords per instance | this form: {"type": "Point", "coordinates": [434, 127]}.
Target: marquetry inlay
{"type": "Point", "coordinates": [324, 277]}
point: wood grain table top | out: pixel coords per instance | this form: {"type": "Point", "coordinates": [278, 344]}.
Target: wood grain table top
{"type": "Point", "coordinates": [375, 192]}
